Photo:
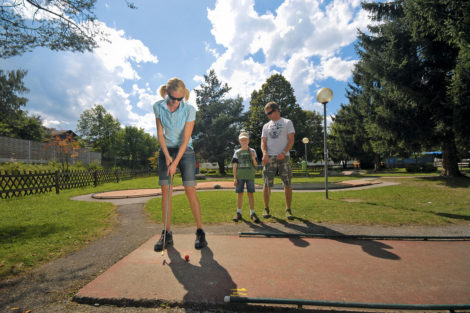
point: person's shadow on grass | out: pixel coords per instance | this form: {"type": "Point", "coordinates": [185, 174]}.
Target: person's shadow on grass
{"type": "Point", "coordinates": [207, 283]}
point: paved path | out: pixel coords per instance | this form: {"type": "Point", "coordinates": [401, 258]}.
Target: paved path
{"type": "Point", "coordinates": [388, 272]}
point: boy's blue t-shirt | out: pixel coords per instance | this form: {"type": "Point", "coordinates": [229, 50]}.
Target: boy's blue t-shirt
{"type": "Point", "coordinates": [246, 169]}
{"type": "Point", "coordinates": [174, 123]}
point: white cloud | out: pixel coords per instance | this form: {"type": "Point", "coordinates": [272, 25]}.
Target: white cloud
{"type": "Point", "coordinates": [65, 84]}
{"type": "Point", "coordinates": [301, 31]}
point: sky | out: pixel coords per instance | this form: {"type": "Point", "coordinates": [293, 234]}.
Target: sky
{"type": "Point", "coordinates": [309, 42]}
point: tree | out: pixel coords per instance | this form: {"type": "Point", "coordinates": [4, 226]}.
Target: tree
{"type": "Point", "coordinates": [278, 89]}
{"type": "Point", "coordinates": [412, 72]}
{"type": "Point", "coordinates": [136, 147]}
{"type": "Point", "coordinates": [15, 122]}
{"type": "Point", "coordinates": [217, 121]}
{"type": "Point", "coordinates": [55, 24]}
{"type": "Point", "coordinates": [66, 148]}
{"type": "Point", "coordinates": [98, 130]}
{"type": "Point", "coordinates": [349, 138]}
{"type": "Point", "coordinates": [11, 85]}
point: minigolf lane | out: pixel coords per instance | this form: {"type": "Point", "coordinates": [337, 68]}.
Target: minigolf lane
{"type": "Point", "coordinates": [359, 271]}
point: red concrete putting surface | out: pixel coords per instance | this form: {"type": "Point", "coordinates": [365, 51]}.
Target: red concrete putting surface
{"type": "Point", "coordinates": [151, 192]}
{"type": "Point", "coordinates": [222, 184]}
{"type": "Point", "coordinates": [365, 271]}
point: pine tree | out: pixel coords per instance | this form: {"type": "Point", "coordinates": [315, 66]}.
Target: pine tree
{"type": "Point", "coordinates": [413, 73]}
{"type": "Point", "coordinates": [217, 121]}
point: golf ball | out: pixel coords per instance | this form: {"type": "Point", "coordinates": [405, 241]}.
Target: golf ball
{"type": "Point", "coordinates": [186, 258]}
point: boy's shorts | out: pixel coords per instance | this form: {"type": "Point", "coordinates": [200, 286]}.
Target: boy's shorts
{"type": "Point", "coordinates": [250, 185]}
{"type": "Point", "coordinates": [187, 167]}
{"type": "Point", "coordinates": [275, 166]}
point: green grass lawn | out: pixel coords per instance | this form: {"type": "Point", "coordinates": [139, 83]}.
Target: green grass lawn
{"type": "Point", "coordinates": [420, 201]}
{"type": "Point", "coordinates": [37, 229]}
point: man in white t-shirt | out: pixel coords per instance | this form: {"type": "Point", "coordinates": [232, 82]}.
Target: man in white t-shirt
{"type": "Point", "coordinates": [277, 138]}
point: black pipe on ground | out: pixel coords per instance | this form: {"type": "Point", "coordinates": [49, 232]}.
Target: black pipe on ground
{"type": "Point", "coordinates": [387, 306]}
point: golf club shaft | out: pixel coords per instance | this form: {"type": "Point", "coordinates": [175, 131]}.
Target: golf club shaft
{"type": "Point", "coordinates": [166, 212]}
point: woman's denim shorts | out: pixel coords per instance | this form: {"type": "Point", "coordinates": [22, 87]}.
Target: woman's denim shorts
{"type": "Point", "coordinates": [187, 167]}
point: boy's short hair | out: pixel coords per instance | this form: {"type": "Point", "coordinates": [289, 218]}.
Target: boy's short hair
{"type": "Point", "coordinates": [243, 135]}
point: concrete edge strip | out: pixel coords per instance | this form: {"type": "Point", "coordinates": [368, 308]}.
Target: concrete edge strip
{"type": "Point", "coordinates": [356, 237]}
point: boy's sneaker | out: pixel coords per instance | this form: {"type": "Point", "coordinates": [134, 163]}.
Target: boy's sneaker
{"type": "Point", "coordinates": [266, 213]}
{"type": "Point", "coordinates": [168, 241]}
{"type": "Point", "coordinates": [289, 214]}
{"type": "Point", "coordinates": [237, 217]}
{"type": "Point", "coordinates": [200, 239]}
{"type": "Point", "coordinates": [255, 218]}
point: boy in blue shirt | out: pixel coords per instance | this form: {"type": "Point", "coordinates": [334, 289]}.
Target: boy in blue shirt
{"type": "Point", "coordinates": [244, 169]}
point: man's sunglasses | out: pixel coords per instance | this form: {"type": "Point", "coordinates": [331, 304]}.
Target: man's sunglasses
{"type": "Point", "coordinates": [270, 112]}
{"type": "Point", "coordinates": [174, 98]}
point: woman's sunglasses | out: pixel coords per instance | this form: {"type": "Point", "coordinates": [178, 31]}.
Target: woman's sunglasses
{"type": "Point", "coordinates": [174, 98]}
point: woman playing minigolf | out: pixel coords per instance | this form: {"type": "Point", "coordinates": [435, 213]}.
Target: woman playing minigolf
{"type": "Point", "coordinates": [175, 120]}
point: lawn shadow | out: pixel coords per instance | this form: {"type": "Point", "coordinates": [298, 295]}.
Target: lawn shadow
{"type": "Point", "coordinates": [207, 283]}
{"type": "Point", "coordinates": [25, 232]}
{"type": "Point", "coordinates": [453, 182]}
{"type": "Point", "coordinates": [454, 216]}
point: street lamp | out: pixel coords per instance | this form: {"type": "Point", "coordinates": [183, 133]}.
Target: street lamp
{"type": "Point", "coordinates": [324, 96]}
{"type": "Point", "coordinates": [305, 141]}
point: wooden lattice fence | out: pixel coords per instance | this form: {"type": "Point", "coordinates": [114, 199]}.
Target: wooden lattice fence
{"type": "Point", "coordinates": [19, 184]}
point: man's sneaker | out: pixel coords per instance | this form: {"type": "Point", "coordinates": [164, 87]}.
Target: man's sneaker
{"type": "Point", "coordinates": [200, 239]}
{"type": "Point", "coordinates": [266, 213]}
{"type": "Point", "coordinates": [255, 218]}
{"type": "Point", "coordinates": [237, 217]}
{"type": "Point", "coordinates": [168, 241]}
{"type": "Point", "coordinates": [289, 214]}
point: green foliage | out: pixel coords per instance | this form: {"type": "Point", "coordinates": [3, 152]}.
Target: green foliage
{"type": "Point", "coordinates": [99, 129]}
{"type": "Point", "coordinates": [408, 92]}
{"type": "Point", "coordinates": [128, 147]}
{"type": "Point", "coordinates": [11, 84]}
{"type": "Point", "coordinates": [136, 147]}
{"type": "Point", "coordinates": [217, 121]}
{"type": "Point", "coordinates": [14, 122]}
{"type": "Point", "coordinates": [94, 166]}
{"type": "Point", "coordinates": [58, 25]}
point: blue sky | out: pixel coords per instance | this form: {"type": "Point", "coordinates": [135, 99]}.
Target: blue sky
{"type": "Point", "coordinates": [310, 42]}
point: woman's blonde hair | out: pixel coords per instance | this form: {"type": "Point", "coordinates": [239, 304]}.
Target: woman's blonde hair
{"type": "Point", "coordinates": [174, 84]}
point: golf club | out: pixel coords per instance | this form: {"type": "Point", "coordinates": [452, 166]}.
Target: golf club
{"type": "Point", "coordinates": [166, 216]}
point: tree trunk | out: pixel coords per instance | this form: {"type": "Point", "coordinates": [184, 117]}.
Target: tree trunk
{"type": "Point", "coordinates": [221, 166]}
{"type": "Point", "coordinates": [450, 166]}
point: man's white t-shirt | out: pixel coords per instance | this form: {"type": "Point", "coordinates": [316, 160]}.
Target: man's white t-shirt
{"type": "Point", "coordinates": [277, 134]}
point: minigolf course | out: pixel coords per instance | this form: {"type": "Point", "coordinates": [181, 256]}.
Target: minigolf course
{"type": "Point", "coordinates": [297, 270]}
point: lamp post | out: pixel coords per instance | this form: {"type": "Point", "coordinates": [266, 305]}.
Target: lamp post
{"type": "Point", "coordinates": [305, 141]}
{"type": "Point", "coordinates": [324, 96]}
{"type": "Point", "coordinates": [305, 168]}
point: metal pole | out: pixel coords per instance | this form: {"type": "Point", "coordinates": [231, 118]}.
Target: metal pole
{"type": "Point", "coordinates": [305, 152]}
{"type": "Point", "coordinates": [325, 149]}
